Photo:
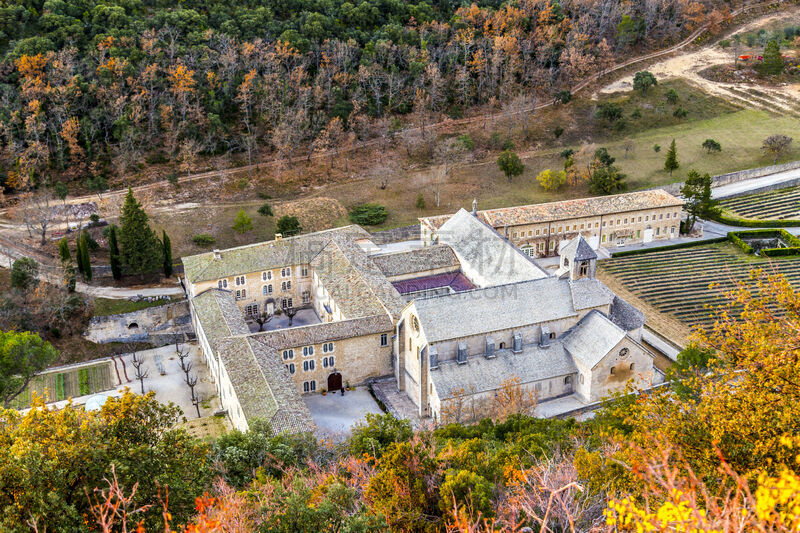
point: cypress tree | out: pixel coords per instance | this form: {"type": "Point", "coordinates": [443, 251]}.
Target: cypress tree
{"type": "Point", "coordinates": [167, 254]}
{"type": "Point", "coordinates": [87, 261]}
{"type": "Point", "coordinates": [79, 254]}
{"type": "Point", "coordinates": [141, 252]}
{"type": "Point", "coordinates": [113, 251]}
{"type": "Point", "coordinates": [672, 158]}
{"type": "Point", "coordinates": [66, 265]}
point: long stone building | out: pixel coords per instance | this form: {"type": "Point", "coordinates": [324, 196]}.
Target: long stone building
{"type": "Point", "coordinates": [608, 221]}
{"type": "Point", "coordinates": [450, 321]}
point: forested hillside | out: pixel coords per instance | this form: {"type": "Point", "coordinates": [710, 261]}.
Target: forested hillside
{"type": "Point", "coordinates": [92, 89]}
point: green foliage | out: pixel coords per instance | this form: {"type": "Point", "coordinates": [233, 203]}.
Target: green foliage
{"type": "Point", "coordinates": [637, 113]}
{"type": "Point", "coordinates": [141, 250]}
{"type": "Point", "coordinates": [203, 239]}
{"type": "Point", "coordinates": [630, 30]}
{"type": "Point", "coordinates": [242, 223]}
{"type": "Point", "coordinates": [172, 178]}
{"type": "Point", "coordinates": [74, 451]}
{"type": "Point", "coordinates": [690, 244]}
{"type": "Point", "coordinates": [656, 148]}
{"type": "Point", "coordinates": [167, 254]}
{"type": "Point", "coordinates": [368, 214]}
{"type": "Point", "coordinates": [288, 225]}
{"type": "Point", "coordinates": [610, 111]}
{"type": "Point", "coordinates": [113, 252]}
{"type": "Point", "coordinates": [24, 272]}
{"type": "Point", "coordinates": [680, 113]}
{"type": "Point", "coordinates": [510, 164]}
{"type": "Point", "coordinates": [22, 355]}
{"type": "Point", "coordinates": [66, 265]}
{"type": "Point", "coordinates": [372, 436]}
{"type": "Point", "coordinates": [83, 249]}
{"type": "Point", "coordinates": [607, 180]}
{"type": "Point", "coordinates": [697, 193]}
{"type": "Point", "coordinates": [643, 80]}
{"type": "Point", "coordinates": [558, 132]}
{"type": "Point", "coordinates": [466, 141]}
{"type": "Point", "coordinates": [566, 153]}
{"type": "Point", "coordinates": [420, 203]}
{"type": "Point", "coordinates": [671, 163]}
{"type": "Point", "coordinates": [265, 210]}
{"type": "Point", "coordinates": [772, 64]}
{"type": "Point", "coordinates": [725, 43]}
{"type": "Point", "coordinates": [60, 190]}
{"type": "Point", "coordinates": [735, 239]}
{"type": "Point", "coordinates": [240, 454]}
{"type": "Point", "coordinates": [672, 96]}
{"type": "Point", "coordinates": [563, 97]}
{"type": "Point", "coordinates": [710, 145]}
{"type": "Point", "coordinates": [462, 489]}
{"type": "Point", "coordinates": [96, 184]}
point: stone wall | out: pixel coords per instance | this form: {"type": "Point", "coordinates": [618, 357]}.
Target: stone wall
{"type": "Point", "coordinates": [742, 175]}
{"type": "Point", "coordinates": [403, 233]}
{"type": "Point", "coordinates": [156, 325]}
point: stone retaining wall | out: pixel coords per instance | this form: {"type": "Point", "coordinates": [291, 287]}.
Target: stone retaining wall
{"type": "Point", "coordinates": [157, 325]}
{"type": "Point", "coordinates": [742, 175]}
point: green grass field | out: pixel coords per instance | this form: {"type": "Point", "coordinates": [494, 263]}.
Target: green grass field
{"type": "Point", "coordinates": [770, 205]}
{"type": "Point", "coordinates": [677, 282]}
{"type": "Point", "coordinates": [57, 386]}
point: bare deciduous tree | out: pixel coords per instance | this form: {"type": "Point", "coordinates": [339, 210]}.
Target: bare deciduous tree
{"type": "Point", "coordinates": [38, 213]}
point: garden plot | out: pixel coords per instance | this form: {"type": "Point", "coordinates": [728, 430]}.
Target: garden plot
{"type": "Point", "coordinates": [677, 282]}
{"type": "Point", "coordinates": [770, 205]}
{"type": "Point", "coordinates": [57, 386]}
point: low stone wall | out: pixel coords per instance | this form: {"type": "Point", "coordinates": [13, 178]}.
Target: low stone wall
{"type": "Point", "coordinates": [157, 325]}
{"type": "Point", "coordinates": [742, 175]}
{"type": "Point", "coordinates": [403, 233]}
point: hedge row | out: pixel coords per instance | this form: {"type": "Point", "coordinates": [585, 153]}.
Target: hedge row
{"type": "Point", "coordinates": [678, 246]}
{"type": "Point", "coordinates": [794, 249]}
{"type": "Point", "coordinates": [734, 238]}
{"type": "Point", "coordinates": [723, 218]}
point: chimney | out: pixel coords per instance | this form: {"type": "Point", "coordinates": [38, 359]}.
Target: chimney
{"type": "Point", "coordinates": [505, 231]}
{"type": "Point", "coordinates": [475, 207]}
{"type": "Point", "coordinates": [278, 236]}
{"type": "Point", "coordinates": [217, 255]}
{"type": "Point", "coordinates": [544, 337]}
{"type": "Point", "coordinates": [462, 353]}
{"type": "Point", "coordinates": [517, 344]}
{"type": "Point", "coordinates": [490, 348]}
{"type": "Point", "coordinates": [433, 354]}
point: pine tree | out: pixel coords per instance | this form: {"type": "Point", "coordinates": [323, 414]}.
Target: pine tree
{"type": "Point", "coordinates": [167, 254]}
{"type": "Point", "coordinates": [671, 162]}
{"type": "Point", "coordinates": [87, 261]}
{"type": "Point", "coordinates": [113, 251]}
{"type": "Point", "coordinates": [66, 265]}
{"type": "Point", "coordinates": [141, 250]}
{"type": "Point", "coordinates": [772, 64]}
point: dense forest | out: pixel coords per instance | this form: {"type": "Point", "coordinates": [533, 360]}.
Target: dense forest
{"type": "Point", "coordinates": [91, 90]}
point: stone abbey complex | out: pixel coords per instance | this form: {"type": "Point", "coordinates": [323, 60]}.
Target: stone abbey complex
{"type": "Point", "coordinates": [448, 319]}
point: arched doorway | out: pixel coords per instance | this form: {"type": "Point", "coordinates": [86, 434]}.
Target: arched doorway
{"type": "Point", "coordinates": [334, 381]}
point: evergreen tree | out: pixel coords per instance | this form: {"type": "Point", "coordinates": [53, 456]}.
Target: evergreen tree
{"type": "Point", "coordinates": [141, 250]}
{"type": "Point", "coordinates": [699, 204]}
{"type": "Point", "coordinates": [167, 254]}
{"type": "Point", "coordinates": [66, 265]}
{"type": "Point", "coordinates": [671, 162]}
{"type": "Point", "coordinates": [113, 251]}
{"type": "Point", "coordinates": [773, 63]}
{"type": "Point", "coordinates": [79, 254]}
{"type": "Point", "coordinates": [243, 223]}
{"type": "Point", "coordinates": [87, 261]}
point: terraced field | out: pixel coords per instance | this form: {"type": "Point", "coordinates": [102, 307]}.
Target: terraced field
{"type": "Point", "coordinates": [677, 282]}
{"type": "Point", "coordinates": [770, 205]}
{"type": "Point", "coordinates": [57, 386]}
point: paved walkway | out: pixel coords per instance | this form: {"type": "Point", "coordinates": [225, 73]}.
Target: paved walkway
{"type": "Point", "coordinates": [335, 414]}
{"type": "Point", "coordinates": [397, 402]}
{"type": "Point", "coordinates": [733, 189]}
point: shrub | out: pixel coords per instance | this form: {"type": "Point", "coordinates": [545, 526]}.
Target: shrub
{"type": "Point", "coordinates": [265, 210]}
{"type": "Point", "coordinates": [725, 43]}
{"type": "Point", "coordinates": [203, 239]}
{"type": "Point", "coordinates": [710, 145]}
{"type": "Point", "coordinates": [656, 148]}
{"type": "Point", "coordinates": [558, 132]}
{"type": "Point", "coordinates": [172, 178]}
{"type": "Point", "coordinates": [678, 246]}
{"type": "Point", "coordinates": [95, 218]}
{"type": "Point", "coordinates": [368, 214]}
{"type": "Point", "coordinates": [680, 113]}
{"type": "Point", "coordinates": [420, 203]}
{"type": "Point", "coordinates": [288, 225]}
{"type": "Point", "coordinates": [563, 97]}
{"type": "Point", "coordinates": [637, 113]}
{"type": "Point", "coordinates": [23, 273]}
{"type": "Point", "coordinates": [508, 144]}
{"type": "Point", "coordinates": [566, 152]}
{"type": "Point", "coordinates": [264, 196]}
{"type": "Point", "coordinates": [734, 238]}
{"type": "Point", "coordinates": [672, 96]}
{"type": "Point", "coordinates": [466, 141]}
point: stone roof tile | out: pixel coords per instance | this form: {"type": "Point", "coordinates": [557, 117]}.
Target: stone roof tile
{"type": "Point", "coordinates": [422, 259]}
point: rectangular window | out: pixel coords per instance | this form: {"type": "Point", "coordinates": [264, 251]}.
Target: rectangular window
{"type": "Point", "coordinates": [658, 231]}
{"type": "Point", "coordinates": [672, 230]}
{"type": "Point", "coordinates": [604, 238]}
{"type": "Point", "coordinates": [574, 227]}
{"type": "Point", "coordinates": [582, 225]}
{"type": "Point", "coordinates": [537, 232]}
{"type": "Point", "coordinates": [560, 229]}
{"type": "Point", "coordinates": [308, 350]}
{"type": "Point", "coordinates": [646, 218]}
{"type": "Point", "coordinates": [222, 284]}
{"type": "Point", "coordinates": [384, 339]}
{"type": "Point", "coordinates": [328, 362]}
{"type": "Point", "coordinates": [289, 301]}
{"type": "Point", "coordinates": [265, 276]}
{"type": "Point", "coordinates": [552, 245]}
{"type": "Point", "coordinates": [515, 235]}
{"type": "Point", "coordinates": [251, 310]}
{"type": "Point", "coordinates": [661, 217]}
{"type": "Point", "coordinates": [309, 386]}
{"type": "Point", "coordinates": [640, 219]}
{"type": "Point", "coordinates": [530, 233]}
{"type": "Point", "coordinates": [238, 295]}
{"type": "Point", "coordinates": [626, 221]}
{"type": "Point", "coordinates": [306, 297]}
{"type": "Point", "coordinates": [668, 215]}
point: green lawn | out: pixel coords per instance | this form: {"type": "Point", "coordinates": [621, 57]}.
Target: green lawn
{"type": "Point", "coordinates": [677, 282]}
{"type": "Point", "coordinates": [58, 386]}
{"type": "Point", "coordinates": [111, 306]}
